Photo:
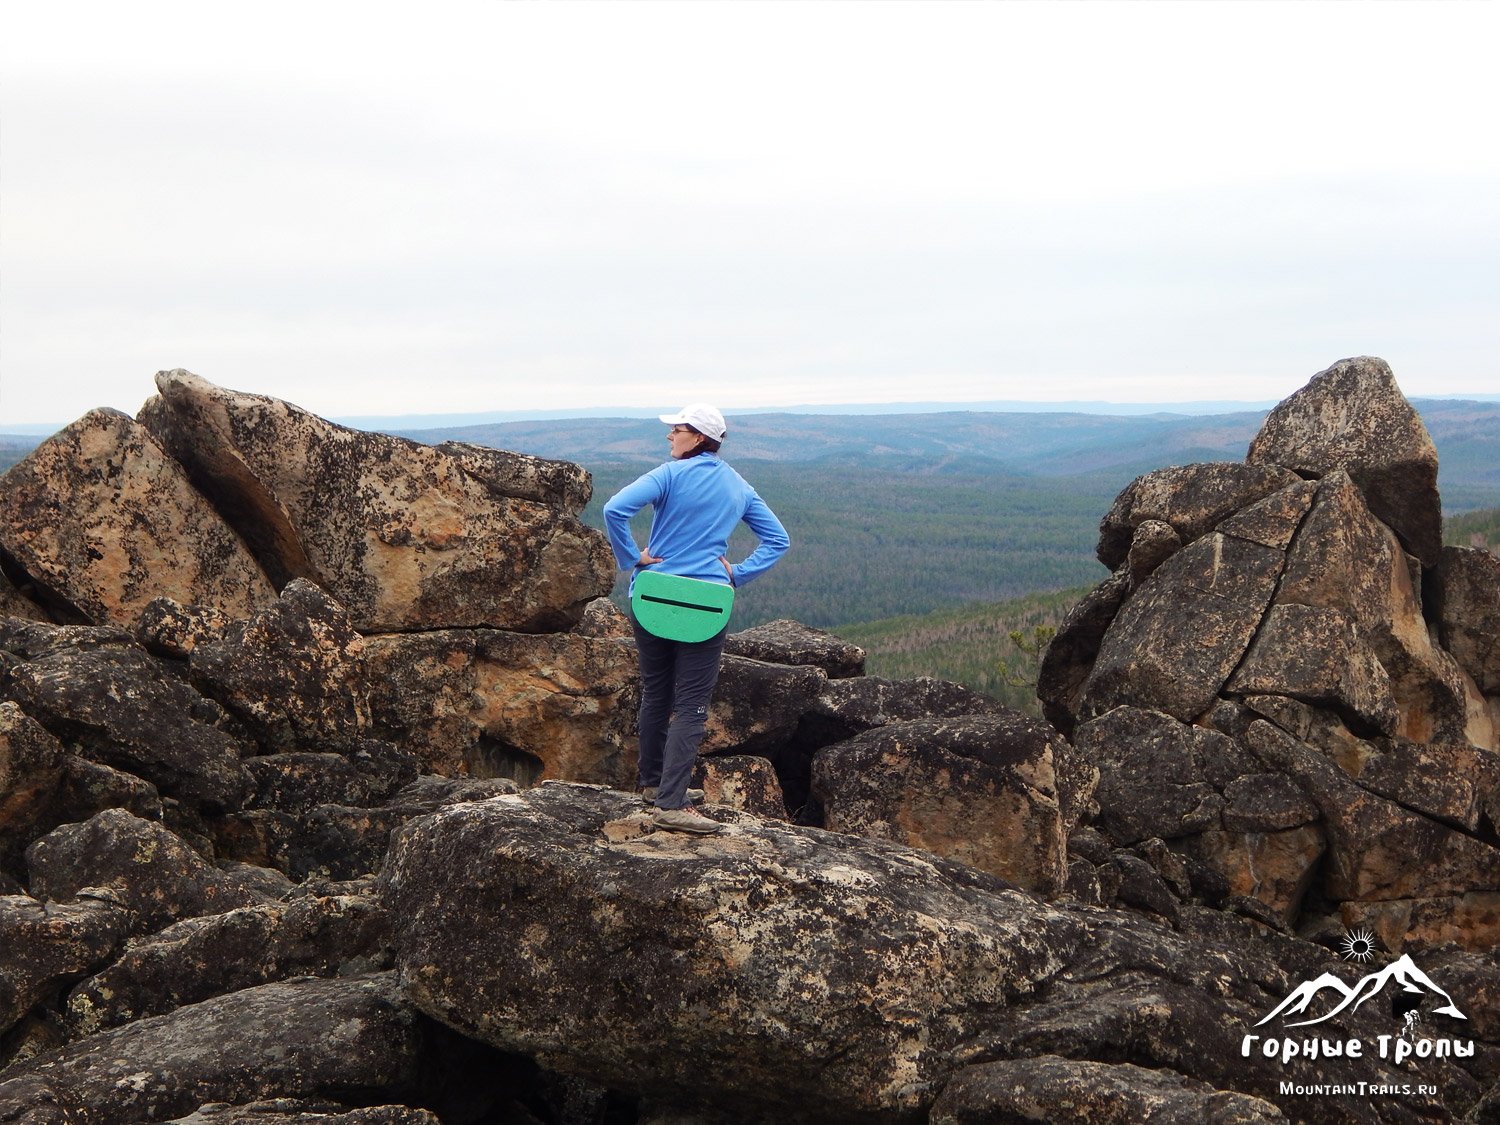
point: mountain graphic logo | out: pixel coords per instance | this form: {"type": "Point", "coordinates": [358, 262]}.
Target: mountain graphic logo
{"type": "Point", "coordinates": [1413, 982]}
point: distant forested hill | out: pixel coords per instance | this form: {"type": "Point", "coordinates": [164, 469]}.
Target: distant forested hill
{"type": "Point", "coordinates": [870, 543]}
{"type": "Point", "coordinates": [965, 645]}
{"type": "Point", "coordinates": [897, 515]}
{"type": "Point", "coordinates": [1466, 433]}
{"type": "Point", "coordinates": [1474, 529]}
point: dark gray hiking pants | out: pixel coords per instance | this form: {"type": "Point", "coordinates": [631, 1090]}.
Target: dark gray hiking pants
{"type": "Point", "coordinates": [677, 681]}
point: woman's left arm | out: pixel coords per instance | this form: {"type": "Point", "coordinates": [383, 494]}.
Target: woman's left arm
{"type": "Point", "coordinates": [773, 541]}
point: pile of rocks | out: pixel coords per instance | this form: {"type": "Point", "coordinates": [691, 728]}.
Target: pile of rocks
{"type": "Point", "coordinates": [316, 750]}
{"type": "Point", "coordinates": [1290, 687]}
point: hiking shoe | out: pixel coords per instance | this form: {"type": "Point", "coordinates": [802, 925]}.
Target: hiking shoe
{"type": "Point", "coordinates": [685, 820]}
{"type": "Point", "coordinates": [694, 796]}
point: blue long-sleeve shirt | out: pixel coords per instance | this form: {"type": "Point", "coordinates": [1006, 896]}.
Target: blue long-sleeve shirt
{"type": "Point", "coordinates": [696, 503]}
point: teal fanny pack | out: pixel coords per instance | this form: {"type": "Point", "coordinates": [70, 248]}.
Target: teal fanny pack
{"type": "Point", "coordinates": [680, 609]}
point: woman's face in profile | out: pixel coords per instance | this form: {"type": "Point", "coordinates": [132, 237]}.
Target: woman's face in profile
{"type": "Point", "coordinates": [682, 441]}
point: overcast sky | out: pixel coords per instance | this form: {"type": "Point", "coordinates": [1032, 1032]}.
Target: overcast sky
{"type": "Point", "coordinates": [374, 208]}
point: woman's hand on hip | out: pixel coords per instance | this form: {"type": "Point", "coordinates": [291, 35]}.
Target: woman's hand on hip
{"type": "Point", "coordinates": [647, 560]}
{"type": "Point", "coordinates": [728, 569]}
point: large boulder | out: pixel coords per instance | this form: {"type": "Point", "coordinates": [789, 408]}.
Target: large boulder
{"type": "Point", "coordinates": [1172, 645]}
{"type": "Point", "coordinates": [1353, 417]}
{"type": "Point", "coordinates": [32, 765]}
{"type": "Point", "coordinates": [103, 521]}
{"type": "Point", "coordinates": [1318, 656]}
{"type": "Point", "coordinates": [301, 1038]}
{"type": "Point", "coordinates": [995, 792]}
{"type": "Point", "coordinates": [293, 674]}
{"type": "Point", "coordinates": [404, 536]}
{"type": "Point", "coordinates": [44, 945]}
{"type": "Point", "coordinates": [1344, 559]}
{"type": "Point", "coordinates": [123, 707]}
{"type": "Point", "coordinates": [818, 977]}
{"type": "Point", "coordinates": [148, 868]}
{"type": "Point", "coordinates": [325, 931]}
{"type": "Point", "coordinates": [490, 703]}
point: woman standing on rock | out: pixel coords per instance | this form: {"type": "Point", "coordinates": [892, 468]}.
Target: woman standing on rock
{"type": "Point", "coordinates": [696, 501]}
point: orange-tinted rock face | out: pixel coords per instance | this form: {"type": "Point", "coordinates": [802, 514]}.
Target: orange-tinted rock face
{"type": "Point", "coordinates": [103, 521]}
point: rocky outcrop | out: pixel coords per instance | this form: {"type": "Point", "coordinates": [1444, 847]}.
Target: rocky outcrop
{"type": "Point", "coordinates": [102, 521]}
{"type": "Point", "coordinates": [220, 827]}
{"type": "Point", "coordinates": [1267, 685]}
{"type": "Point", "coordinates": [403, 536]}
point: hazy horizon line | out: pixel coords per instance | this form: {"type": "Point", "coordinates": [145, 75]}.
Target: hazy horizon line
{"type": "Point", "coordinates": [1189, 407]}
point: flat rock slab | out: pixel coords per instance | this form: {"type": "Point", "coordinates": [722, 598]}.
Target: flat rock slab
{"type": "Point", "coordinates": [288, 1039]}
{"type": "Point", "coordinates": [791, 642]}
{"type": "Point", "coordinates": [403, 535]}
{"type": "Point", "coordinates": [104, 521]}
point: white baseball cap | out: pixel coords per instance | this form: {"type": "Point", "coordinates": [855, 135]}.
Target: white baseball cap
{"type": "Point", "coordinates": [704, 418]}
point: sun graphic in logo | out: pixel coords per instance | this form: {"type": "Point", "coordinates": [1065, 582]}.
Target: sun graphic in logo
{"type": "Point", "coordinates": [1358, 945]}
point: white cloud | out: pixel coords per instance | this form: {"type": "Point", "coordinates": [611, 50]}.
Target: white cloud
{"type": "Point", "coordinates": [491, 206]}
